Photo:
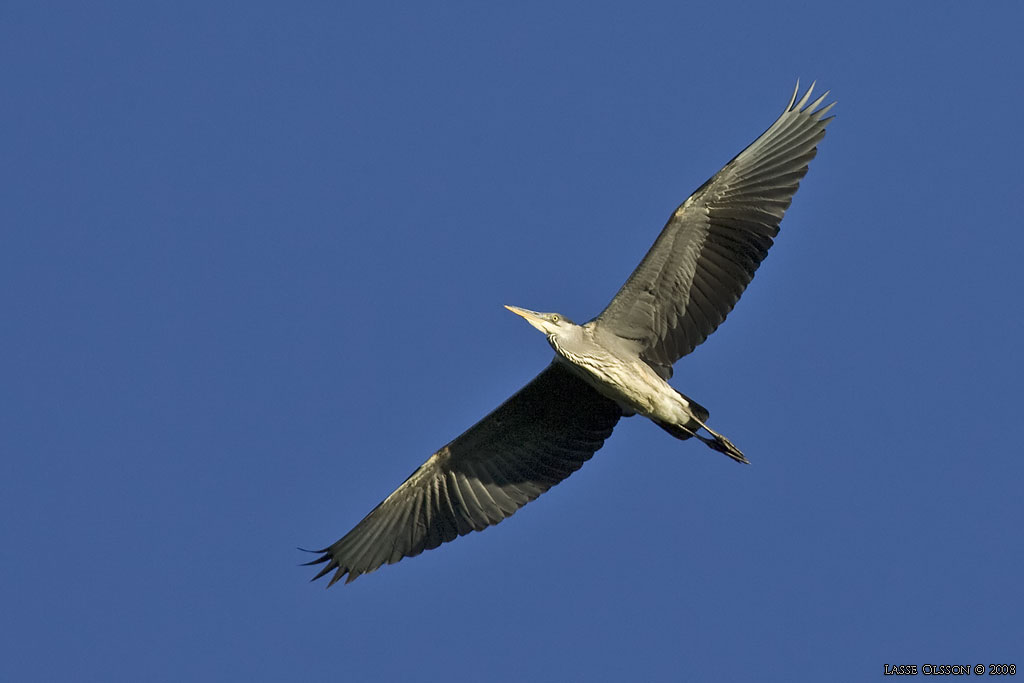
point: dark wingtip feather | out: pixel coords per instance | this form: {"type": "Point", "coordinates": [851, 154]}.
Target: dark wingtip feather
{"type": "Point", "coordinates": [322, 558]}
{"type": "Point", "coordinates": [325, 570]}
{"type": "Point", "coordinates": [328, 568]}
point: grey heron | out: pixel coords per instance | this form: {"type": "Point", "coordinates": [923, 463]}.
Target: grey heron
{"type": "Point", "coordinates": [613, 366]}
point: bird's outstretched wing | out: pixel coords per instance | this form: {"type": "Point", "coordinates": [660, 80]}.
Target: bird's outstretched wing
{"type": "Point", "coordinates": [706, 255]}
{"type": "Point", "coordinates": [534, 440]}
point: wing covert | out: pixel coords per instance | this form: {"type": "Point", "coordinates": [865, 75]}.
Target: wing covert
{"type": "Point", "coordinates": [710, 248]}
{"type": "Point", "coordinates": [534, 440]}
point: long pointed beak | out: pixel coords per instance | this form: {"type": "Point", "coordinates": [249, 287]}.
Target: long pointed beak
{"type": "Point", "coordinates": [525, 312]}
{"type": "Point", "coordinates": [532, 317]}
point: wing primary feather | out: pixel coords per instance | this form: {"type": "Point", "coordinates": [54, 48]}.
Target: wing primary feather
{"type": "Point", "coordinates": [487, 504]}
{"type": "Point", "coordinates": [817, 103]}
{"type": "Point", "coordinates": [792, 99]}
{"type": "Point", "coordinates": [807, 96]}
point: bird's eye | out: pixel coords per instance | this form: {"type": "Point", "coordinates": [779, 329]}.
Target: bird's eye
{"type": "Point", "coordinates": [555, 318]}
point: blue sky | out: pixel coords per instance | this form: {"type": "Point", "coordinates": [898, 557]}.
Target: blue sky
{"type": "Point", "coordinates": [253, 259]}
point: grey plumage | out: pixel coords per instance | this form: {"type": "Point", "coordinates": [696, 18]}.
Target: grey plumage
{"type": "Point", "coordinates": [611, 366]}
{"type": "Point", "coordinates": [706, 255]}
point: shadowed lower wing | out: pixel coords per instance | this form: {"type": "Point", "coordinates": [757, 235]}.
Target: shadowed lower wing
{"type": "Point", "coordinates": [534, 440]}
{"type": "Point", "coordinates": [706, 255]}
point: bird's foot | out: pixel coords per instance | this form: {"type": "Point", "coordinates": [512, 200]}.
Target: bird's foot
{"type": "Point", "coordinates": [723, 445]}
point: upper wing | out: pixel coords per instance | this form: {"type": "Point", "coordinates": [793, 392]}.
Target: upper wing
{"type": "Point", "coordinates": [706, 255]}
{"type": "Point", "coordinates": [534, 440]}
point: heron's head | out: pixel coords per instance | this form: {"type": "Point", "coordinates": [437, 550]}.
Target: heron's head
{"type": "Point", "coordinates": [548, 323]}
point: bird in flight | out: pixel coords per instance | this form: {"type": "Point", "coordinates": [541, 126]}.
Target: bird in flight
{"type": "Point", "coordinates": [614, 366]}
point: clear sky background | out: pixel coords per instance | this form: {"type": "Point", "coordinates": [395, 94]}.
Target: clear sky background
{"type": "Point", "coordinates": [252, 264]}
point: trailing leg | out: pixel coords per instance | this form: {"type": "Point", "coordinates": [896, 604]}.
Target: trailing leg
{"type": "Point", "coordinates": [721, 444]}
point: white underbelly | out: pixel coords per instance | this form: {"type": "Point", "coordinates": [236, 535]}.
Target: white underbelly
{"type": "Point", "coordinates": [637, 389]}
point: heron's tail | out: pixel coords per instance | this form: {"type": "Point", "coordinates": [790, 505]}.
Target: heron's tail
{"type": "Point", "coordinates": [696, 409]}
{"type": "Point", "coordinates": [698, 415]}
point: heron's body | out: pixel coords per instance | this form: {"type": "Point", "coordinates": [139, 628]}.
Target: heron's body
{"type": "Point", "coordinates": [632, 385]}
{"type": "Point", "coordinates": [605, 362]}
{"type": "Point", "coordinates": [616, 365]}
